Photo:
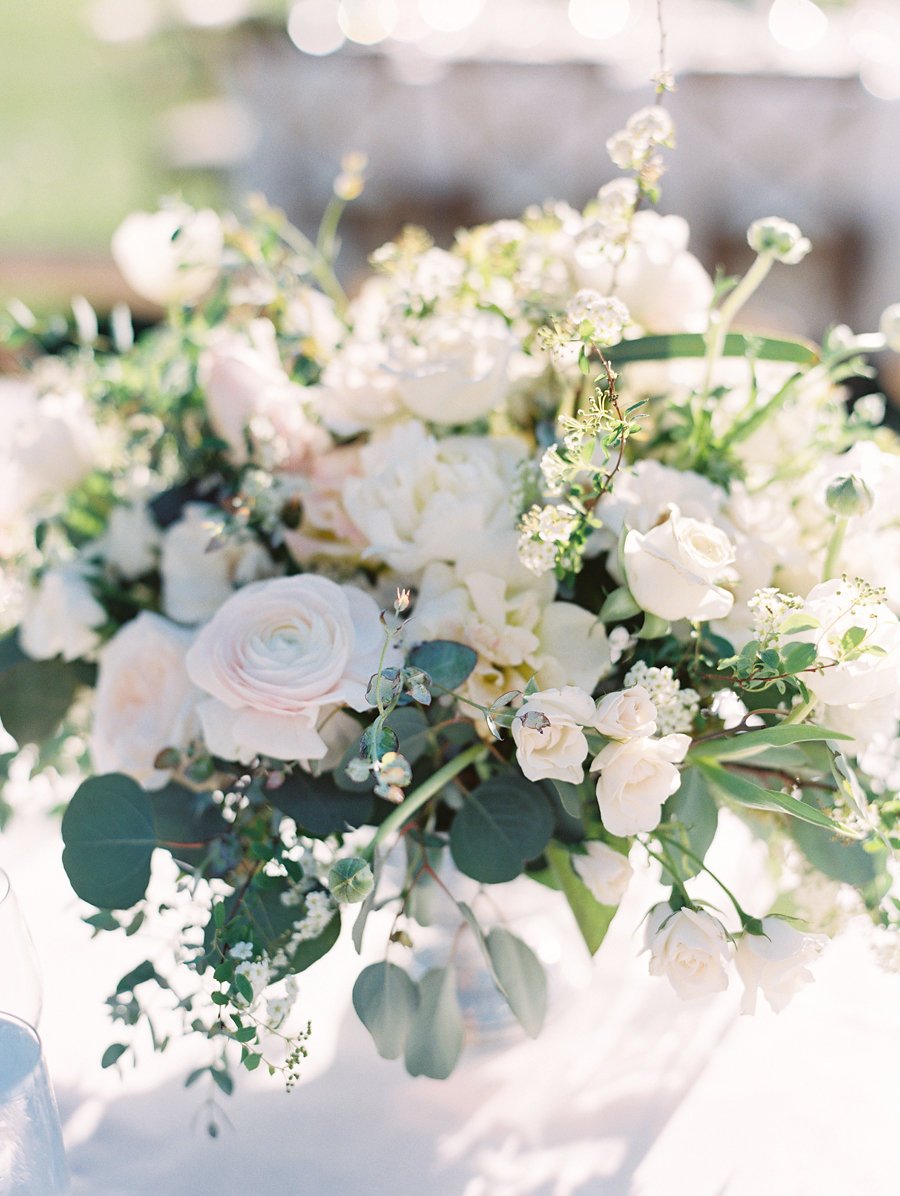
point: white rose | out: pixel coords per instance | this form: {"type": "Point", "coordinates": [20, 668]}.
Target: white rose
{"type": "Point", "coordinates": [276, 658]}
{"type": "Point", "coordinates": [197, 578]}
{"type": "Point", "coordinates": [451, 369]}
{"type": "Point", "coordinates": [131, 541]}
{"type": "Point", "coordinates": [605, 872]}
{"type": "Point", "coordinates": [627, 714]}
{"type": "Point", "coordinates": [249, 397]}
{"type": "Point", "coordinates": [690, 948]}
{"type": "Point", "coordinates": [61, 616]}
{"type": "Point", "coordinates": [169, 256]}
{"type": "Point", "coordinates": [419, 499]}
{"type": "Point", "coordinates": [636, 778]}
{"type": "Point", "coordinates": [144, 700]}
{"type": "Point", "coordinates": [355, 394]}
{"type": "Point", "coordinates": [775, 963]}
{"type": "Point", "coordinates": [836, 607]}
{"type": "Point", "coordinates": [673, 569]}
{"type": "Point", "coordinates": [547, 729]}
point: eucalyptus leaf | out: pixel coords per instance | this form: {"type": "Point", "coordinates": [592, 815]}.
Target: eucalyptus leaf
{"type": "Point", "coordinates": [695, 815]}
{"type": "Point", "coordinates": [502, 824]}
{"type": "Point", "coordinates": [437, 1032]}
{"type": "Point", "coordinates": [318, 806]}
{"type": "Point", "coordinates": [447, 663]}
{"type": "Point", "coordinates": [521, 978]}
{"type": "Point", "coordinates": [412, 730]}
{"type": "Point", "coordinates": [109, 837]}
{"type": "Point", "coordinates": [386, 1000]}
{"type": "Point", "coordinates": [35, 695]}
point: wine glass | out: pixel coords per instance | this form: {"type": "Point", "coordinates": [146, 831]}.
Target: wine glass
{"type": "Point", "coordinates": [32, 1158]}
{"type": "Point", "coordinates": [20, 977]}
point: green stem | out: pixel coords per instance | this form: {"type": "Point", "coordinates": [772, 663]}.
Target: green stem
{"type": "Point", "coordinates": [741, 913]}
{"type": "Point", "coordinates": [835, 544]}
{"type": "Point", "coordinates": [720, 321]}
{"type": "Point", "coordinates": [799, 713]}
{"type": "Point", "coordinates": [435, 783]}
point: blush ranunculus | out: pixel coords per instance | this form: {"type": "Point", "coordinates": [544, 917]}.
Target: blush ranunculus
{"type": "Point", "coordinates": [276, 658]}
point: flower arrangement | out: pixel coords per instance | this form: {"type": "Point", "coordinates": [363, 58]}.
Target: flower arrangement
{"type": "Point", "coordinates": [522, 556]}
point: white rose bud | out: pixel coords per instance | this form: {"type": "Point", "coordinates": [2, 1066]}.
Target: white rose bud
{"type": "Point", "coordinates": [605, 872]}
{"type": "Point", "coordinates": [555, 748]}
{"type": "Point", "coordinates": [775, 963]}
{"type": "Point", "coordinates": [674, 569]}
{"type": "Point", "coordinates": [61, 616]}
{"type": "Point", "coordinates": [635, 780]}
{"type": "Point", "coordinates": [169, 256]}
{"type": "Point", "coordinates": [690, 948]}
{"type": "Point", "coordinates": [890, 326]}
{"type": "Point", "coordinates": [780, 238]}
{"type": "Point", "coordinates": [626, 714]}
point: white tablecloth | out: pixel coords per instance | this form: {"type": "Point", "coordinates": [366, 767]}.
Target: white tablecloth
{"type": "Point", "coordinates": [628, 1092]}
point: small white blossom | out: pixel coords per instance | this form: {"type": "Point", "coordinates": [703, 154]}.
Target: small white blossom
{"type": "Point", "coordinates": [676, 708]}
{"type": "Point", "coordinates": [780, 238]}
{"type": "Point", "coordinates": [241, 951]}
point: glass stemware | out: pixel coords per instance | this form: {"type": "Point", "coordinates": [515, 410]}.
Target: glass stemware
{"type": "Point", "coordinates": [32, 1158]}
{"type": "Point", "coordinates": [20, 977]}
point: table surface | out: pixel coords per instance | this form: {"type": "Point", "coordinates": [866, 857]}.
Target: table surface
{"type": "Point", "coordinates": [628, 1091]}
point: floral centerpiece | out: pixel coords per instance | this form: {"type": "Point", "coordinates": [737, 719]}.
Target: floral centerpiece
{"type": "Point", "coordinates": [522, 556]}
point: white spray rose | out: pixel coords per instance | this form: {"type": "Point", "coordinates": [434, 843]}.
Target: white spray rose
{"type": "Point", "coordinates": [276, 658]}
{"type": "Point", "coordinates": [606, 873]}
{"type": "Point", "coordinates": [355, 392]}
{"type": "Point", "coordinates": [250, 397]}
{"type": "Point", "coordinates": [636, 778]}
{"type": "Point", "coordinates": [61, 616]}
{"type": "Point", "coordinates": [673, 570]}
{"type": "Point", "coordinates": [837, 607]}
{"type": "Point", "coordinates": [690, 948]}
{"type": "Point", "coordinates": [131, 541]}
{"type": "Point", "coordinates": [775, 963]}
{"type": "Point", "coordinates": [198, 575]}
{"type": "Point", "coordinates": [144, 700]}
{"type": "Point", "coordinates": [626, 714]}
{"type": "Point", "coordinates": [169, 256]}
{"type": "Point", "coordinates": [547, 729]}
{"type": "Point", "coordinates": [451, 369]}
{"type": "Point", "coordinates": [419, 499]}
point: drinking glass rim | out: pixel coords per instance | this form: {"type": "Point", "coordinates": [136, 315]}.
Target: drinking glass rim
{"type": "Point", "coordinates": [5, 885]}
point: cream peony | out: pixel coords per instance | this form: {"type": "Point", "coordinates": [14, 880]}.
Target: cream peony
{"type": "Point", "coordinates": [626, 714]}
{"type": "Point", "coordinates": [198, 574]}
{"type": "Point", "coordinates": [690, 948]}
{"type": "Point", "coordinates": [252, 403]}
{"type": "Point", "coordinates": [775, 963]}
{"type": "Point", "coordinates": [169, 256]}
{"type": "Point", "coordinates": [276, 658]}
{"type": "Point", "coordinates": [62, 616]}
{"type": "Point", "coordinates": [547, 730]}
{"type": "Point", "coordinates": [606, 872]}
{"type": "Point", "coordinates": [673, 570]}
{"type": "Point", "coordinates": [144, 700]}
{"type": "Point", "coordinates": [419, 499]}
{"type": "Point", "coordinates": [636, 778]}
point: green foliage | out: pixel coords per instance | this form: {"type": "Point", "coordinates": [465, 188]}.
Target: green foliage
{"type": "Point", "coordinates": [386, 1001]}
{"type": "Point", "coordinates": [35, 695]}
{"type": "Point", "coordinates": [693, 345]}
{"type": "Point", "coordinates": [503, 823]}
{"type": "Point", "coordinates": [351, 880]}
{"type": "Point", "coordinates": [747, 744]}
{"type": "Point", "coordinates": [109, 837]}
{"type": "Point", "coordinates": [747, 793]}
{"type": "Point", "coordinates": [592, 918]}
{"type": "Point", "coordinates": [318, 806]}
{"type": "Point", "coordinates": [272, 921]}
{"type": "Point", "coordinates": [447, 664]}
{"type": "Point", "coordinates": [520, 977]}
{"type": "Point", "coordinates": [436, 1035]}
{"type": "Point", "coordinates": [692, 816]}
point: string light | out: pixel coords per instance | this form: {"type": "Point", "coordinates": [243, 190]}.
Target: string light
{"type": "Point", "coordinates": [797, 24]}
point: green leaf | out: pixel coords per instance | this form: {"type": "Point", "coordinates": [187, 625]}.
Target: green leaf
{"type": "Point", "coordinates": [619, 605]}
{"type": "Point", "coordinates": [797, 657]}
{"type": "Point", "coordinates": [182, 816]}
{"type": "Point", "coordinates": [521, 978]}
{"type": "Point", "coordinates": [222, 1080]}
{"type": "Point", "coordinates": [109, 838]}
{"type": "Point", "coordinates": [448, 664]}
{"type": "Point", "coordinates": [378, 741]}
{"type": "Point", "coordinates": [693, 345]}
{"type": "Point", "coordinates": [653, 627]}
{"type": "Point", "coordinates": [412, 730]}
{"type": "Point", "coordinates": [437, 1032]}
{"type": "Point", "coordinates": [502, 824]}
{"type": "Point", "coordinates": [113, 1054]}
{"type": "Point", "coordinates": [799, 621]}
{"type": "Point", "coordinates": [273, 921]}
{"type": "Point", "coordinates": [748, 793]}
{"type": "Point", "coordinates": [592, 918]}
{"type": "Point", "coordinates": [750, 743]}
{"type": "Point", "coordinates": [695, 815]}
{"type": "Point", "coordinates": [140, 975]}
{"type": "Point", "coordinates": [318, 806]}
{"type": "Point", "coordinates": [35, 695]}
{"type": "Point", "coordinates": [386, 1000]}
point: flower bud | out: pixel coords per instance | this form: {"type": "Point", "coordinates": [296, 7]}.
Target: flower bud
{"type": "Point", "coordinates": [350, 880]}
{"type": "Point", "coordinates": [849, 495]}
{"type": "Point", "coordinates": [780, 238]}
{"type": "Point", "coordinates": [890, 326]}
{"type": "Point", "coordinates": [394, 769]}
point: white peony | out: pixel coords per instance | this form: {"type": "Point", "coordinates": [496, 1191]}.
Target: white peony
{"type": "Point", "coordinates": [169, 256]}
{"type": "Point", "coordinates": [252, 403]}
{"type": "Point", "coordinates": [62, 616]}
{"type": "Point", "coordinates": [775, 963]}
{"type": "Point", "coordinates": [636, 777]}
{"type": "Point", "coordinates": [451, 369]}
{"type": "Point", "coordinates": [673, 570]}
{"type": "Point", "coordinates": [198, 574]}
{"type": "Point", "coordinates": [144, 700]}
{"type": "Point", "coordinates": [547, 730]}
{"type": "Point", "coordinates": [605, 872]}
{"type": "Point", "coordinates": [690, 948]}
{"type": "Point", "coordinates": [276, 658]}
{"type": "Point", "coordinates": [420, 499]}
{"type": "Point", "coordinates": [626, 714]}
